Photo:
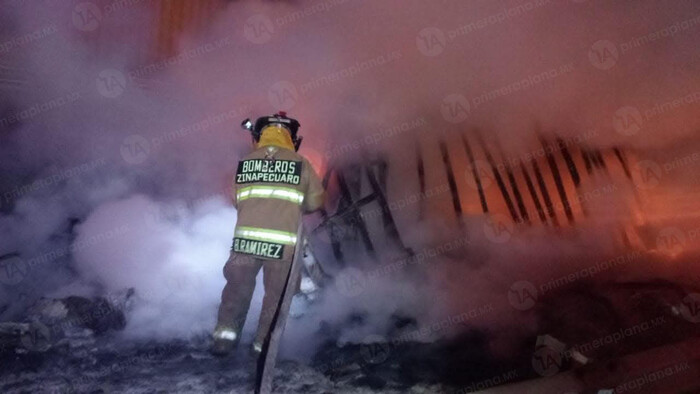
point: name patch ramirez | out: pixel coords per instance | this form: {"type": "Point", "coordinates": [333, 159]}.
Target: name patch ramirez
{"type": "Point", "coordinates": [269, 171]}
{"type": "Point", "coordinates": [268, 250]}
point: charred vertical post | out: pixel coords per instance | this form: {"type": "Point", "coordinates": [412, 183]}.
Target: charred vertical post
{"type": "Point", "coordinates": [356, 218]}
{"type": "Point", "coordinates": [421, 181]}
{"type": "Point", "coordinates": [387, 218]}
{"type": "Point", "coordinates": [533, 194]}
{"type": "Point", "coordinates": [383, 174]}
{"type": "Point", "coordinates": [475, 174]}
{"type": "Point", "coordinates": [499, 181]}
{"type": "Point", "coordinates": [545, 194]}
{"type": "Point", "coordinates": [587, 161]}
{"type": "Point", "coordinates": [623, 162]}
{"type": "Point", "coordinates": [518, 197]}
{"type": "Point", "coordinates": [569, 162]}
{"type": "Point", "coordinates": [558, 181]}
{"type": "Point", "coordinates": [335, 243]}
{"type": "Point", "coordinates": [597, 159]}
{"type": "Point", "coordinates": [451, 182]}
{"type": "Point", "coordinates": [524, 215]}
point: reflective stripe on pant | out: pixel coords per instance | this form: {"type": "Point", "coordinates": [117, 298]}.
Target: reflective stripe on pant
{"type": "Point", "coordinates": [266, 235]}
{"type": "Point", "coordinates": [240, 272]}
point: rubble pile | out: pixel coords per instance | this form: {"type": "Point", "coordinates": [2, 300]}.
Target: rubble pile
{"type": "Point", "coordinates": [606, 321]}
{"type": "Point", "coordinates": [70, 321]}
{"type": "Point", "coordinates": [68, 346]}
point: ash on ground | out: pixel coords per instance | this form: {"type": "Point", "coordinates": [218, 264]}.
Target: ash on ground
{"type": "Point", "coordinates": [73, 345]}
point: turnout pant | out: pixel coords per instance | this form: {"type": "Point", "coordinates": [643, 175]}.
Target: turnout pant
{"type": "Point", "coordinates": [240, 272]}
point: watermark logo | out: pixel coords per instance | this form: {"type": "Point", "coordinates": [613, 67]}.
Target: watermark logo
{"type": "Point", "coordinates": [603, 55]}
{"type": "Point", "coordinates": [671, 240]}
{"type": "Point", "coordinates": [86, 16]}
{"type": "Point", "coordinates": [431, 41]}
{"type": "Point", "coordinates": [258, 29]}
{"type": "Point", "coordinates": [375, 349]}
{"type": "Point", "coordinates": [547, 361]}
{"type": "Point", "coordinates": [498, 228]}
{"type": "Point", "coordinates": [455, 108]}
{"type": "Point", "coordinates": [646, 174]}
{"type": "Point", "coordinates": [479, 169]}
{"type": "Point", "coordinates": [135, 149]}
{"type": "Point", "coordinates": [522, 295]}
{"type": "Point", "coordinates": [627, 121]}
{"type": "Point", "coordinates": [283, 95]}
{"type": "Point", "coordinates": [351, 282]}
{"type": "Point", "coordinates": [690, 308]}
{"type": "Point", "coordinates": [37, 338]}
{"type": "Point", "coordinates": [111, 83]}
{"type": "Point", "coordinates": [12, 270]}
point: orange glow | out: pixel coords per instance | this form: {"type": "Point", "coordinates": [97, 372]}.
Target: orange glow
{"type": "Point", "coordinates": [316, 158]}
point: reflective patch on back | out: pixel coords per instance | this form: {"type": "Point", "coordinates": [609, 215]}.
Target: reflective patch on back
{"type": "Point", "coordinates": [269, 171]}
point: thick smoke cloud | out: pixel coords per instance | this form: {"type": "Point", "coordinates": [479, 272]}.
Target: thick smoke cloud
{"type": "Point", "coordinates": [97, 137]}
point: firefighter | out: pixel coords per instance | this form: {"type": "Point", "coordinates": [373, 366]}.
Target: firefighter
{"type": "Point", "coordinates": [273, 186]}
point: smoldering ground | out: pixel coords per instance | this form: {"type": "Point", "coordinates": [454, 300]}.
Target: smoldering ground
{"type": "Point", "coordinates": [164, 130]}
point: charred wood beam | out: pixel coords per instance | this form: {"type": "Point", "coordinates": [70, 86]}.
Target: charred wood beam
{"type": "Point", "coordinates": [533, 194]}
{"type": "Point", "coordinates": [522, 209]}
{"type": "Point", "coordinates": [558, 182]}
{"type": "Point", "coordinates": [499, 182]}
{"type": "Point", "coordinates": [518, 197]}
{"type": "Point", "coordinates": [327, 177]}
{"type": "Point", "coordinates": [335, 243]}
{"type": "Point", "coordinates": [353, 178]}
{"type": "Point", "coordinates": [383, 174]}
{"type": "Point", "coordinates": [451, 182]}
{"type": "Point", "coordinates": [623, 162]}
{"type": "Point", "coordinates": [387, 217]}
{"type": "Point", "coordinates": [587, 161]}
{"type": "Point", "coordinates": [625, 238]}
{"type": "Point", "coordinates": [475, 174]}
{"type": "Point", "coordinates": [356, 217]}
{"type": "Point", "coordinates": [569, 162]}
{"type": "Point", "coordinates": [421, 180]}
{"type": "Point", "coordinates": [545, 194]}
{"type": "Point", "coordinates": [597, 159]}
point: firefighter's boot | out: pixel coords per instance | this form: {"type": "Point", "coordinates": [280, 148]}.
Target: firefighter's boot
{"type": "Point", "coordinates": [225, 339]}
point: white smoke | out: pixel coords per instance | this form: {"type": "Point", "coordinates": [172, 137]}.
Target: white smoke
{"type": "Point", "coordinates": [172, 256]}
{"type": "Point", "coordinates": [146, 220]}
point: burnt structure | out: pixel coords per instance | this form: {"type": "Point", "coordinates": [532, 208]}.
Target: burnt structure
{"type": "Point", "coordinates": [560, 184]}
